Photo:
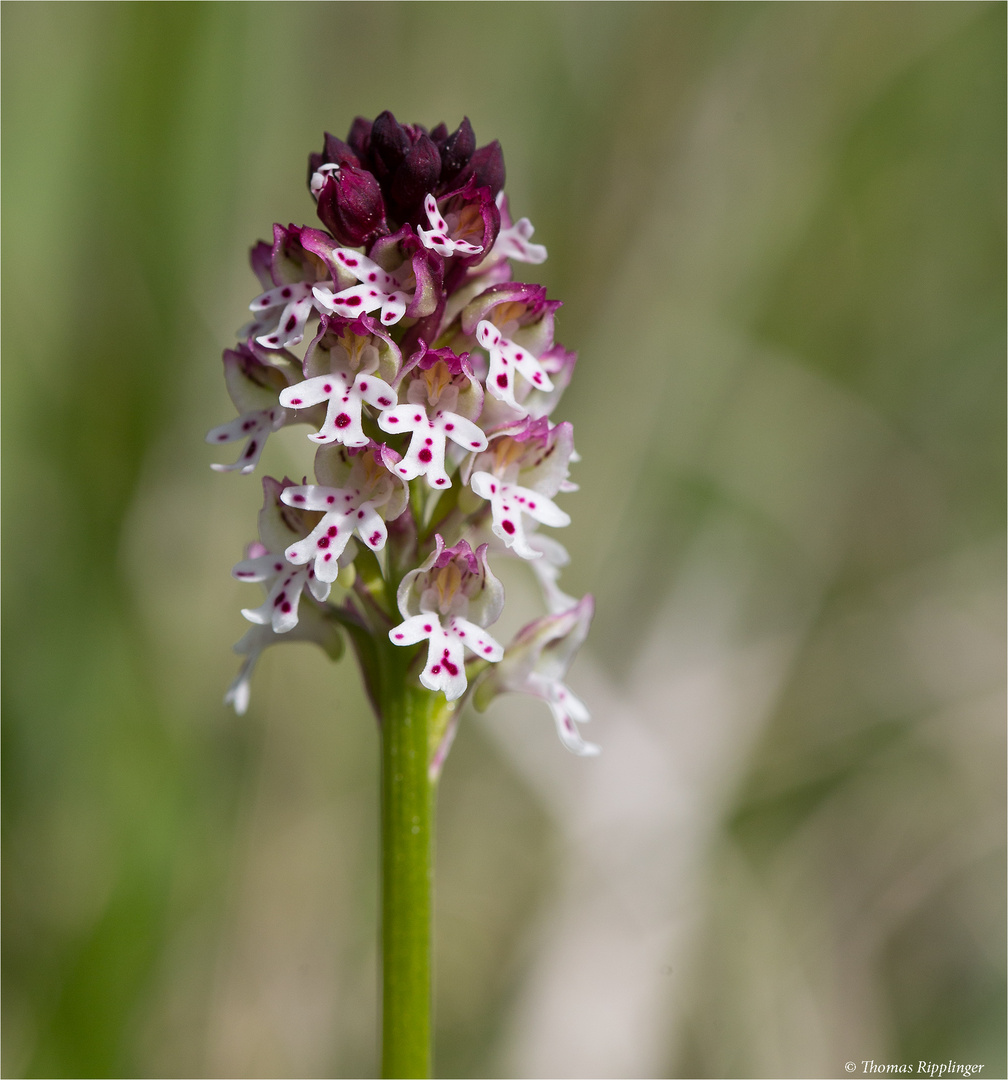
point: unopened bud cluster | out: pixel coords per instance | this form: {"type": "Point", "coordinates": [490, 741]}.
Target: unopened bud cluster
{"type": "Point", "coordinates": [428, 383]}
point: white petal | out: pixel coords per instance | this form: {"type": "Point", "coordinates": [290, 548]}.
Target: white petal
{"type": "Point", "coordinates": [476, 639]}
{"type": "Point", "coordinates": [414, 629]}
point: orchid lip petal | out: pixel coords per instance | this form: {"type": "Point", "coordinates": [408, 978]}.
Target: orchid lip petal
{"type": "Point", "coordinates": [505, 357]}
{"type": "Point", "coordinates": [438, 237]}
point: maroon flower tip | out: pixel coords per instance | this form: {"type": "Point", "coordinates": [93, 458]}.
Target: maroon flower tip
{"type": "Point", "coordinates": [487, 166]}
{"type": "Point", "coordinates": [456, 149]}
{"type": "Point", "coordinates": [359, 137]}
{"type": "Point", "coordinates": [416, 175]}
{"type": "Point", "coordinates": [389, 144]}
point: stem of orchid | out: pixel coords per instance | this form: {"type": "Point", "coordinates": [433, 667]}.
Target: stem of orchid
{"type": "Point", "coordinates": [409, 716]}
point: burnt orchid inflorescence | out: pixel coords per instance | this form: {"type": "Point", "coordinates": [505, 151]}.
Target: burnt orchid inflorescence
{"type": "Point", "coordinates": [428, 383]}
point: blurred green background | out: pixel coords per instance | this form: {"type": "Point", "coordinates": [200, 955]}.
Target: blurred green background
{"type": "Point", "coordinates": [779, 235]}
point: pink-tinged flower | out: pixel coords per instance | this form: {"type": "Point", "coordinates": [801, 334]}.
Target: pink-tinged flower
{"type": "Point", "coordinates": [266, 563]}
{"type": "Point", "coordinates": [254, 378]}
{"type": "Point", "coordinates": [463, 223]}
{"type": "Point", "coordinates": [514, 241]}
{"type": "Point", "coordinates": [514, 323]}
{"type": "Point", "coordinates": [358, 492]}
{"type": "Point", "coordinates": [536, 662]}
{"type": "Point", "coordinates": [343, 364]}
{"type": "Point", "coordinates": [289, 270]}
{"type": "Point", "coordinates": [314, 626]}
{"type": "Point", "coordinates": [439, 236]}
{"type": "Point", "coordinates": [443, 398]}
{"type": "Point", "coordinates": [518, 473]}
{"type": "Point", "coordinates": [547, 571]}
{"type": "Point", "coordinates": [447, 601]}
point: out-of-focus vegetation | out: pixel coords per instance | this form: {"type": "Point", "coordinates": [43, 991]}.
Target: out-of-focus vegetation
{"type": "Point", "coordinates": [779, 234]}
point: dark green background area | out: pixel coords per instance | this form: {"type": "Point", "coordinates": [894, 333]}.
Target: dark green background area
{"type": "Point", "coordinates": [779, 235]}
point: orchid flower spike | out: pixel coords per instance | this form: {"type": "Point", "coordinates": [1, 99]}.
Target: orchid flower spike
{"type": "Point", "coordinates": [426, 376]}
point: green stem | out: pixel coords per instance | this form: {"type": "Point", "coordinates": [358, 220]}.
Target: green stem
{"type": "Point", "coordinates": [410, 718]}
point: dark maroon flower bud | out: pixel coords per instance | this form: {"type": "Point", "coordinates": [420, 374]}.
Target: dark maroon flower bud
{"type": "Point", "coordinates": [351, 206]}
{"type": "Point", "coordinates": [390, 143]}
{"type": "Point", "coordinates": [487, 166]}
{"type": "Point", "coordinates": [456, 150]}
{"type": "Point", "coordinates": [416, 176]}
{"type": "Point", "coordinates": [439, 134]}
{"type": "Point", "coordinates": [360, 137]}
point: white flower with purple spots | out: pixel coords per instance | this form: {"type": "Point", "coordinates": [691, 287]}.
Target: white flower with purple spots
{"type": "Point", "coordinates": [346, 359]}
{"type": "Point", "coordinates": [254, 428]}
{"type": "Point", "coordinates": [508, 504]}
{"type": "Point", "coordinates": [522, 468]}
{"type": "Point", "coordinates": [506, 361]}
{"type": "Point", "coordinates": [265, 562]}
{"type": "Point", "coordinates": [440, 390]}
{"type": "Point", "coordinates": [358, 495]}
{"type": "Point", "coordinates": [285, 311]}
{"type": "Point", "coordinates": [457, 596]}
{"type": "Point", "coordinates": [439, 236]}
{"type": "Point", "coordinates": [254, 377]}
{"type": "Point", "coordinates": [285, 583]}
{"type": "Point", "coordinates": [378, 290]}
